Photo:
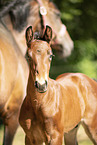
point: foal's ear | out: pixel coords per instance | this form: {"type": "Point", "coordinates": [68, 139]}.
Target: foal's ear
{"type": "Point", "coordinates": [29, 35]}
{"type": "Point", "coordinates": [48, 34]}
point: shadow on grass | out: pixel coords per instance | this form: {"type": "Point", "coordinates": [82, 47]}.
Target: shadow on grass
{"type": "Point", "coordinates": [1, 131]}
{"type": "Point", "coordinates": [1, 123]}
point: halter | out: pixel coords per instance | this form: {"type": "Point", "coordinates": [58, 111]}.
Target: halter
{"type": "Point", "coordinates": [43, 13]}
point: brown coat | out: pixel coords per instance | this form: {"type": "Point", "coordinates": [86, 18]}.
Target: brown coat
{"type": "Point", "coordinates": [54, 107]}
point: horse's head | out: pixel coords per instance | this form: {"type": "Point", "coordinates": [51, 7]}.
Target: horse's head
{"type": "Point", "coordinates": [37, 13]}
{"type": "Point", "coordinates": [44, 12]}
{"type": "Point", "coordinates": [40, 56]}
{"type": "Point", "coordinates": [61, 40]}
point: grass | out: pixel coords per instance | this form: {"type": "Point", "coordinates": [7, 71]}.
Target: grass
{"type": "Point", "coordinates": [83, 138]}
{"type": "Point", "coordinates": [1, 134]}
{"type": "Point", "coordinates": [20, 137]}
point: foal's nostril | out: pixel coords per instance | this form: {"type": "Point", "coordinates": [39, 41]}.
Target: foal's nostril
{"type": "Point", "coordinates": [36, 84]}
{"type": "Point", "coordinates": [41, 88]}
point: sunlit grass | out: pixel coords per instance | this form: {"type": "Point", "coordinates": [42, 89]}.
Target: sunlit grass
{"type": "Point", "coordinates": [1, 134]}
{"type": "Point", "coordinates": [20, 137]}
{"type": "Point", "coordinates": [83, 138]}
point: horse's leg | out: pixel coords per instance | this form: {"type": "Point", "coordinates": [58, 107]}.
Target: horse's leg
{"type": "Point", "coordinates": [56, 139]}
{"type": "Point", "coordinates": [91, 132]}
{"type": "Point", "coordinates": [70, 138]}
{"type": "Point", "coordinates": [10, 129]}
{"type": "Point", "coordinates": [31, 142]}
{"type": "Point", "coordinates": [11, 112]}
{"type": "Point", "coordinates": [27, 141]}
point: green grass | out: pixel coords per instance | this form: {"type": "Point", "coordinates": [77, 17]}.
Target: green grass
{"type": "Point", "coordinates": [20, 137]}
{"type": "Point", "coordinates": [1, 134]}
{"type": "Point", "coordinates": [83, 138]}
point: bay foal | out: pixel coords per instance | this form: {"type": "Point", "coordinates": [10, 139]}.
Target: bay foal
{"type": "Point", "coordinates": [54, 107]}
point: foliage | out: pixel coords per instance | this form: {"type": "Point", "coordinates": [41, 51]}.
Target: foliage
{"type": "Point", "coordinates": [80, 17]}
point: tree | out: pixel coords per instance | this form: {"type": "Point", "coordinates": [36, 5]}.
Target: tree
{"type": "Point", "coordinates": [80, 17]}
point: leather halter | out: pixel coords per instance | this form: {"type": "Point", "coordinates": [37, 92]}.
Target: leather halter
{"type": "Point", "coordinates": [43, 13]}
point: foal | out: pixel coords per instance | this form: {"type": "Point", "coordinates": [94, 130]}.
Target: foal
{"type": "Point", "coordinates": [54, 107]}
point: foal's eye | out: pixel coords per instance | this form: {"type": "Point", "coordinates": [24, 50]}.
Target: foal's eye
{"type": "Point", "coordinates": [38, 50]}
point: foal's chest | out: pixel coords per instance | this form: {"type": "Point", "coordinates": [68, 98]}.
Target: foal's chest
{"type": "Point", "coordinates": [39, 128]}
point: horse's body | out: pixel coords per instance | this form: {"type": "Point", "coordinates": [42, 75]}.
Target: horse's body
{"type": "Point", "coordinates": [14, 18]}
{"type": "Point", "coordinates": [54, 107]}
{"type": "Point", "coordinates": [13, 80]}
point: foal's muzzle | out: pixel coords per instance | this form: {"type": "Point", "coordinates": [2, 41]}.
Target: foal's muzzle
{"type": "Point", "coordinates": [41, 88]}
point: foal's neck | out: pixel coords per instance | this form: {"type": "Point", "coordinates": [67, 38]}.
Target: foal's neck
{"type": "Point", "coordinates": [47, 102]}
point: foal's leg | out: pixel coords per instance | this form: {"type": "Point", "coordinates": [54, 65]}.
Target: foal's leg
{"type": "Point", "coordinates": [27, 141]}
{"type": "Point", "coordinates": [56, 140]}
{"type": "Point", "coordinates": [31, 142]}
{"type": "Point", "coordinates": [70, 138]}
{"type": "Point", "coordinates": [91, 132]}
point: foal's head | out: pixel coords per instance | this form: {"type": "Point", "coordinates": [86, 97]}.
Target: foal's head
{"type": "Point", "coordinates": [40, 56]}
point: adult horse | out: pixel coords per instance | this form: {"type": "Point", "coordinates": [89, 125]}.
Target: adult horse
{"type": "Point", "coordinates": [14, 18]}
{"type": "Point", "coordinates": [13, 79]}
{"type": "Point", "coordinates": [54, 107]}
{"type": "Point", "coordinates": [19, 14]}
